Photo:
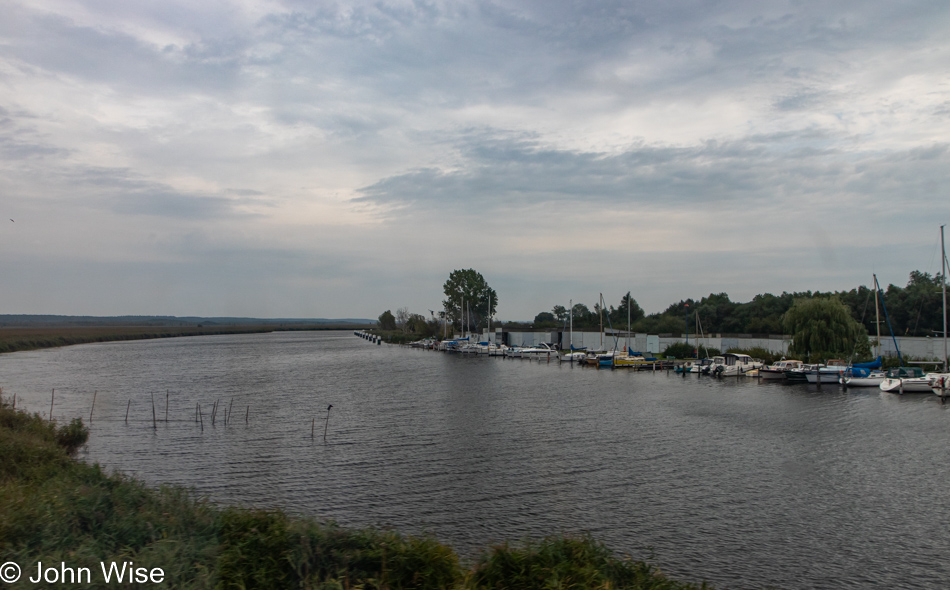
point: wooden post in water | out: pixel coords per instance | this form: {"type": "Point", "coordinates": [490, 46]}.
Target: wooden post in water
{"type": "Point", "coordinates": [214, 411]}
{"type": "Point", "coordinates": [129, 405]}
{"type": "Point", "coordinates": [201, 418]}
{"type": "Point", "coordinates": [227, 418]}
{"type": "Point", "coordinates": [154, 421]}
{"type": "Point", "coordinates": [51, 398]}
{"type": "Point", "coordinates": [166, 405]}
{"type": "Point", "coordinates": [247, 413]}
{"type": "Point", "coordinates": [196, 411]}
{"type": "Point", "coordinates": [93, 405]}
{"type": "Point", "coordinates": [313, 421]}
{"type": "Point", "coordinates": [327, 425]}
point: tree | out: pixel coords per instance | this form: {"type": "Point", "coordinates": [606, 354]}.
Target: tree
{"type": "Point", "coordinates": [545, 319]}
{"type": "Point", "coordinates": [559, 312]}
{"type": "Point", "coordinates": [470, 286]}
{"type": "Point", "coordinates": [583, 317]}
{"type": "Point", "coordinates": [822, 328]}
{"type": "Point", "coordinates": [402, 318]}
{"type": "Point", "coordinates": [417, 324]}
{"type": "Point", "coordinates": [387, 321]}
{"type": "Point", "coordinates": [618, 317]}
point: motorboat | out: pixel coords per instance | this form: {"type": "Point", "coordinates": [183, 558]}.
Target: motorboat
{"type": "Point", "coordinates": [540, 350]}
{"type": "Point", "coordinates": [574, 356]}
{"type": "Point", "coordinates": [694, 366]}
{"type": "Point", "coordinates": [798, 375]}
{"type": "Point", "coordinates": [735, 364]}
{"type": "Point", "coordinates": [776, 371]}
{"type": "Point", "coordinates": [829, 373]}
{"type": "Point", "coordinates": [632, 359]}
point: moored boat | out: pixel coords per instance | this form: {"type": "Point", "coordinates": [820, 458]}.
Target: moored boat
{"type": "Point", "coordinates": [864, 374]}
{"type": "Point", "coordinates": [906, 380]}
{"type": "Point", "coordinates": [633, 359]}
{"type": "Point", "coordinates": [940, 384]}
{"type": "Point", "coordinates": [862, 378]}
{"type": "Point", "coordinates": [733, 364]}
{"type": "Point", "coordinates": [830, 372]}
{"type": "Point", "coordinates": [776, 371]}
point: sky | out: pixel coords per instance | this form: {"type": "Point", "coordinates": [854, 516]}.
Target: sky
{"type": "Point", "coordinates": [319, 159]}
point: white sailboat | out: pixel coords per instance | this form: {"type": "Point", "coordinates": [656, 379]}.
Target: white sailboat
{"type": "Point", "coordinates": [940, 382]}
{"type": "Point", "coordinates": [572, 356]}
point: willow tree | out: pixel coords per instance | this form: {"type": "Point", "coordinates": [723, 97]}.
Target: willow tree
{"type": "Point", "coordinates": [468, 287]}
{"type": "Point", "coordinates": [822, 328]}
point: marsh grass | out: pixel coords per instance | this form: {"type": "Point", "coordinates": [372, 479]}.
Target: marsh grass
{"type": "Point", "coordinates": [56, 509]}
{"type": "Point", "coordinates": [32, 338]}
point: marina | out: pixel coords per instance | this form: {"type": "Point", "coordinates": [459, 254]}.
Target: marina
{"type": "Point", "coordinates": [742, 482]}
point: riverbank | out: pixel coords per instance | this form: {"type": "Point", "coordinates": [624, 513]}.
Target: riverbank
{"type": "Point", "coordinates": [62, 512]}
{"type": "Point", "coordinates": [14, 339]}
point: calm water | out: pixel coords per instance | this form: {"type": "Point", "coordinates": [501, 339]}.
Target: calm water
{"type": "Point", "coordinates": [743, 484]}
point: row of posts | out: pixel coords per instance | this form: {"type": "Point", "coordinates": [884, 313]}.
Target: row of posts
{"type": "Point", "coordinates": [199, 415]}
{"type": "Point", "coordinates": [367, 336]}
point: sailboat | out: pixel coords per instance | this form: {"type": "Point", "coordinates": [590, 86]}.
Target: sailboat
{"type": "Point", "coordinates": [901, 379]}
{"type": "Point", "coordinates": [940, 382]}
{"type": "Point", "coordinates": [576, 354]}
{"type": "Point", "coordinates": [867, 374]}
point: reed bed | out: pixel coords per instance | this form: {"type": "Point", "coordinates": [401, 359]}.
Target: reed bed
{"type": "Point", "coordinates": [13, 339]}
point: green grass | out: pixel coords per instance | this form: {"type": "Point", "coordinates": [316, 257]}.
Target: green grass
{"type": "Point", "coordinates": [55, 509]}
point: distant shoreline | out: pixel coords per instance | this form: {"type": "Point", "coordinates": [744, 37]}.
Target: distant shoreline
{"type": "Point", "coordinates": [38, 336]}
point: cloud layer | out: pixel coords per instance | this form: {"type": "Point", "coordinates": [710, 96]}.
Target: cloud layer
{"type": "Point", "coordinates": [350, 155]}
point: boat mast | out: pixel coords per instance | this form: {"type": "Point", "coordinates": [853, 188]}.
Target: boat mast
{"type": "Point", "coordinates": [943, 270]}
{"type": "Point", "coordinates": [489, 316]}
{"type": "Point", "coordinates": [887, 317]}
{"type": "Point", "coordinates": [571, 338]}
{"type": "Point", "coordinates": [628, 324]}
{"type": "Point", "coordinates": [877, 319]}
{"type": "Point", "coordinates": [700, 336]}
{"type": "Point", "coordinates": [602, 321]}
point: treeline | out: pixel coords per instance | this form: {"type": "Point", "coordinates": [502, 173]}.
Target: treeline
{"type": "Point", "coordinates": [914, 310]}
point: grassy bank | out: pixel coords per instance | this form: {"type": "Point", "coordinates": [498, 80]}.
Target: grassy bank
{"type": "Point", "coordinates": [56, 509]}
{"type": "Point", "coordinates": [32, 338]}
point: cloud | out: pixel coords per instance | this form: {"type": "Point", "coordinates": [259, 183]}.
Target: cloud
{"type": "Point", "coordinates": [501, 172]}
{"type": "Point", "coordinates": [362, 131]}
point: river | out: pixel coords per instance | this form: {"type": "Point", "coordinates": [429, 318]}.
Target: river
{"type": "Point", "coordinates": [740, 483]}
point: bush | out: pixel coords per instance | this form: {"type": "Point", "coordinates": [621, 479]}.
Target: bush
{"type": "Point", "coordinates": [565, 562]}
{"type": "Point", "coordinates": [680, 350]}
{"type": "Point", "coordinates": [72, 436]}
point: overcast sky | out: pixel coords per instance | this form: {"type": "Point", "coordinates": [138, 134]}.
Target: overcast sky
{"type": "Point", "coordinates": [318, 159]}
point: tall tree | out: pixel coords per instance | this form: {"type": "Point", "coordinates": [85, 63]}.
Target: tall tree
{"type": "Point", "coordinates": [545, 319]}
{"type": "Point", "coordinates": [387, 321]}
{"type": "Point", "coordinates": [470, 286]}
{"type": "Point", "coordinates": [823, 328]}
{"type": "Point", "coordinates": [618, 316]}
